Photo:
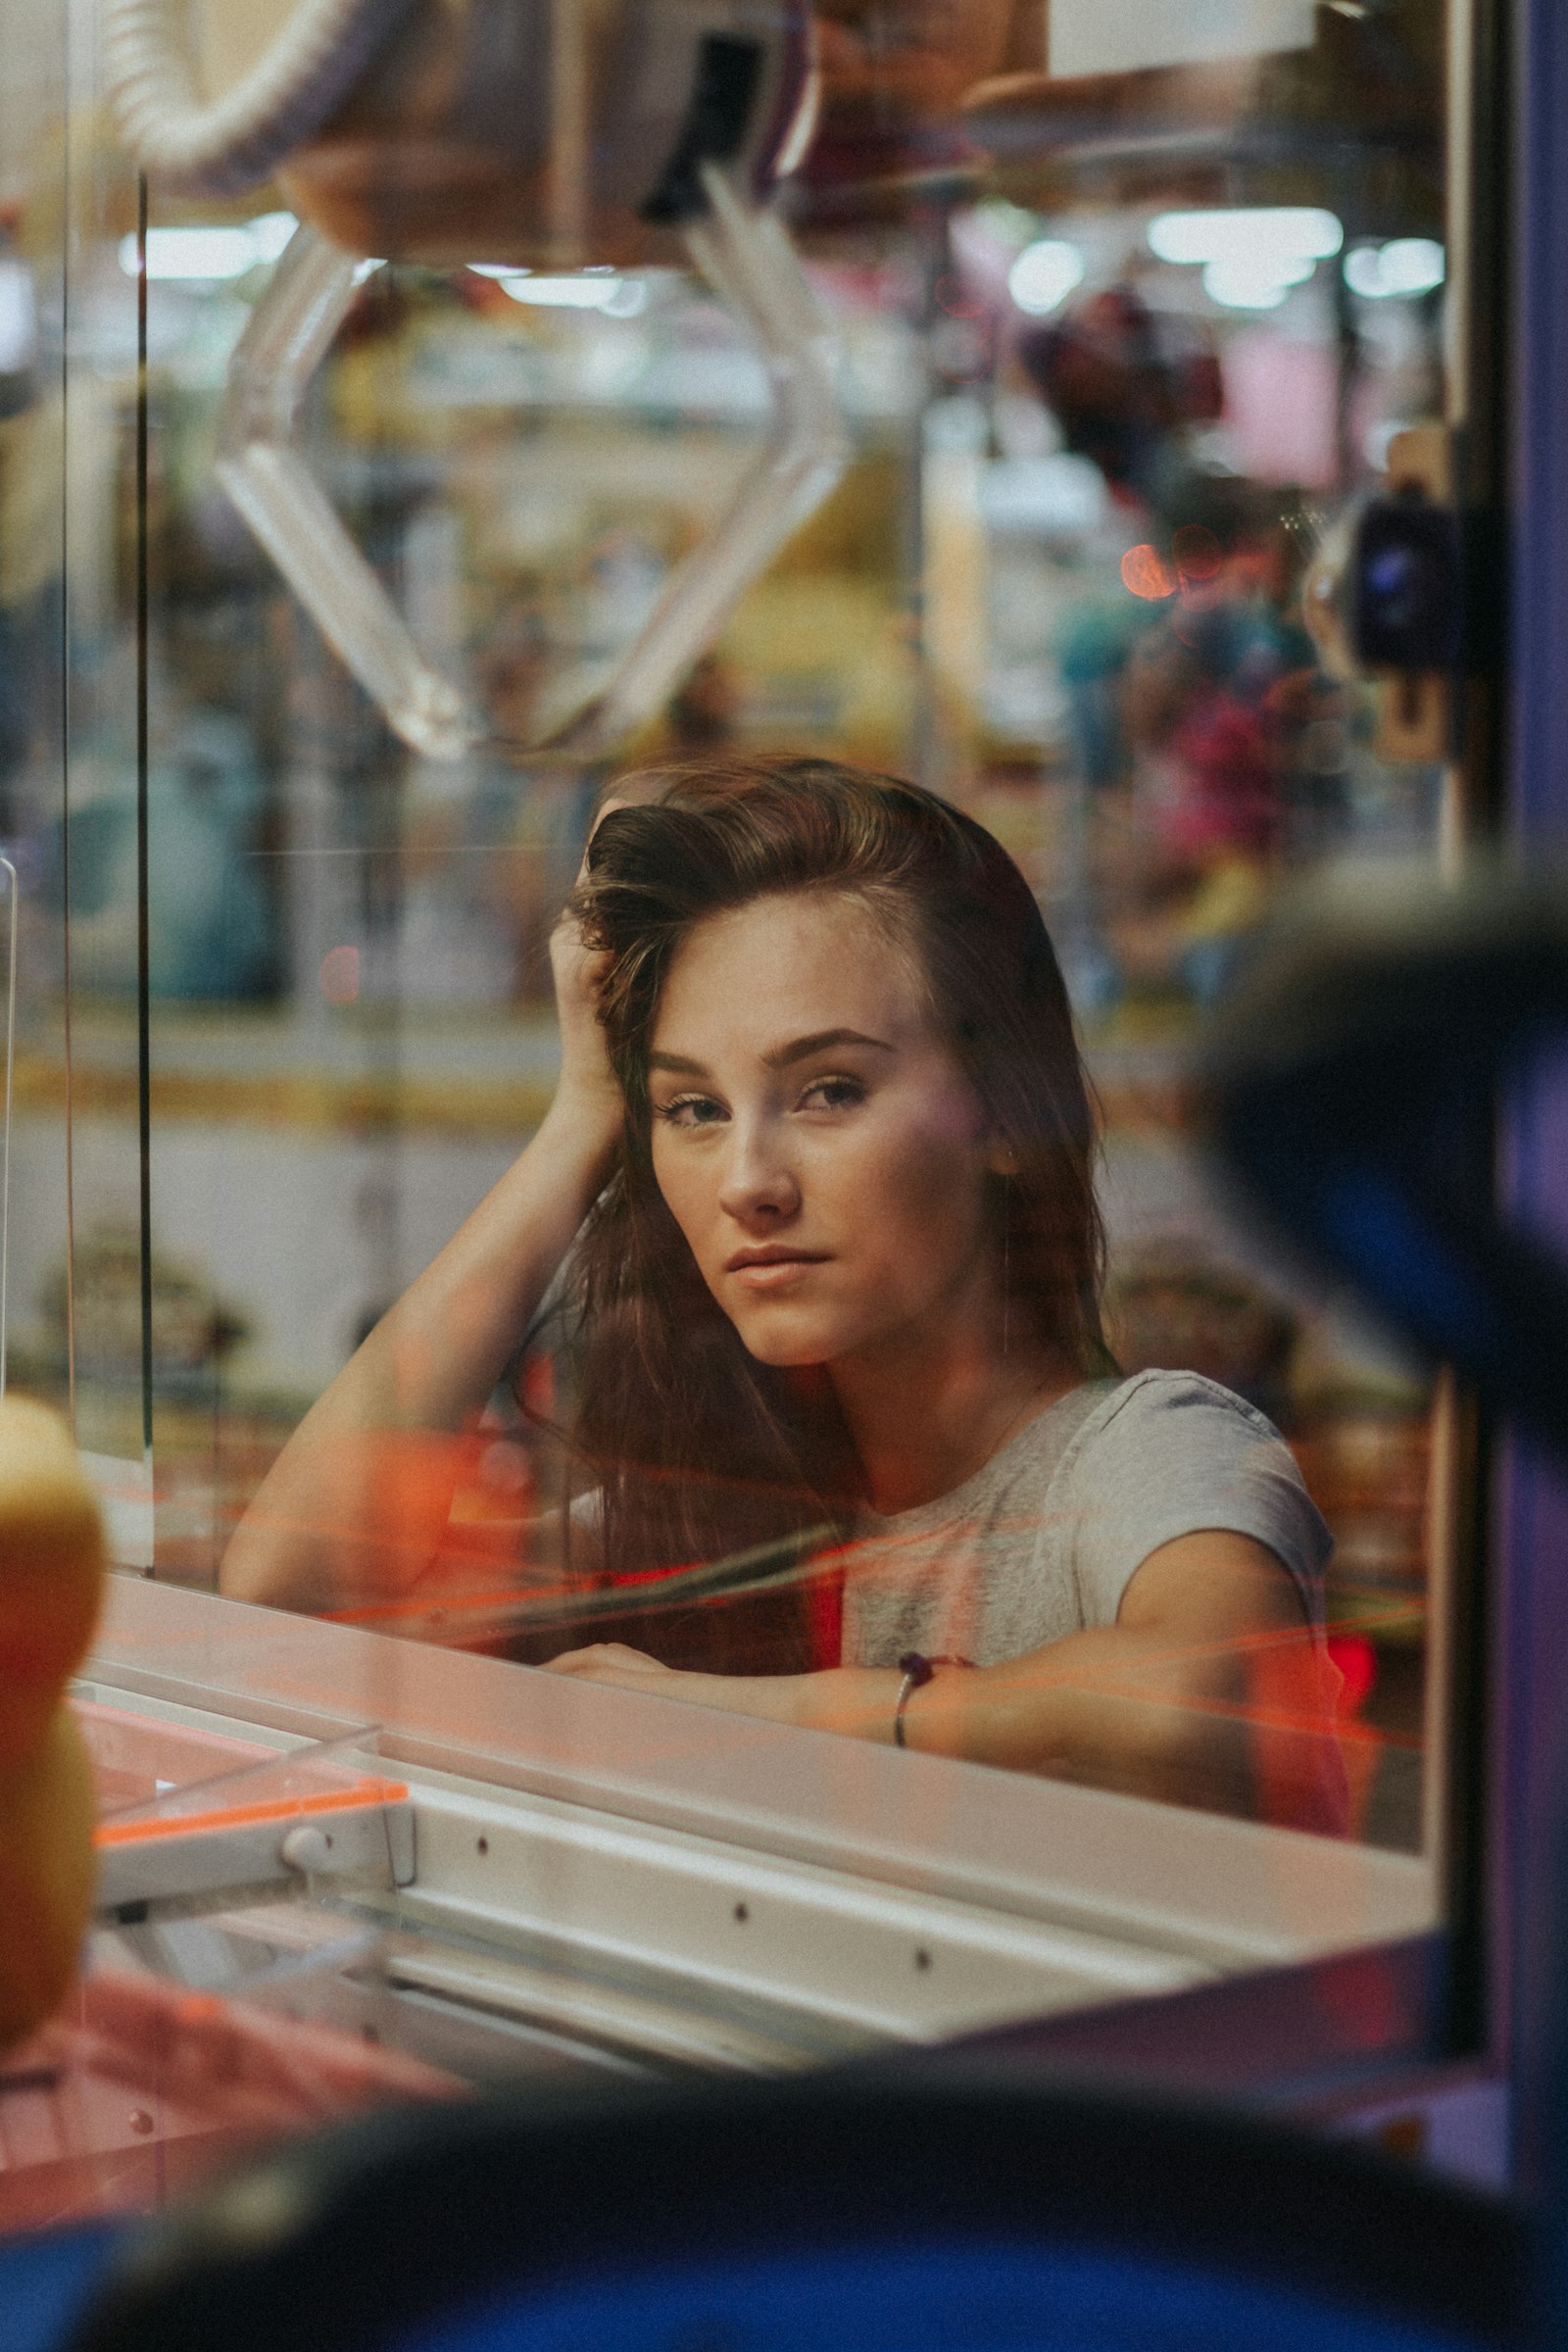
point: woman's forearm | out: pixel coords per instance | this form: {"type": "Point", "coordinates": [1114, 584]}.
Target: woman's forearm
{"type": "Point", "coordinates": [434, 1359]}
{"type": "Point", "coordinates": [356, 1504]}
{"type": "Point", "coordinates": [1099, 1707]}
{"type": "Point", "coordinates": [1106, 1707]}
{"type": "Point", "coordinates": [1042, 1713]}
{"type": "Point", "coordinates": [1235, 1724]}
{"type": "Point", "coordinates": [1109, 1708]}
{"type": "Point", "coordinates": [1103, 1707]}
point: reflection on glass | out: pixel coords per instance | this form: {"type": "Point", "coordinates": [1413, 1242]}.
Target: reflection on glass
{"type": "Point", "coordinates": [1125, 334]}
{"type": "Point", "coordinates": [822, 1105]}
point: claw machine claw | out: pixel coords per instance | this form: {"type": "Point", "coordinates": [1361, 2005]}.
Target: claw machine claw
{"type": "Point", "coordinates": [640, 132]}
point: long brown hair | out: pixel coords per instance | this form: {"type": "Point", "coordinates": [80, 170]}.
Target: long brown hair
{"type": "Point", "coordinates": [697, 1450]}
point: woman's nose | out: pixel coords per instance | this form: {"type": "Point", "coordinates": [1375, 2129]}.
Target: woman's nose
{"type": "Point", "coordinates": [758, 1180]}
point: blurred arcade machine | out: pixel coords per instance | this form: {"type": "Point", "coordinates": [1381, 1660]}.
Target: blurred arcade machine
{"type": "Point", "coordinates": [410, 415]}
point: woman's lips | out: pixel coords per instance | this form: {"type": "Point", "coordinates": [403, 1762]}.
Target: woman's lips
{"type": "Point", "coordinates": [775, 1272]}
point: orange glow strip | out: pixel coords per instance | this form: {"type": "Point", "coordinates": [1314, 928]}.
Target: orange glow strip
{"type": "Point", "coordinates": [234, 1817]}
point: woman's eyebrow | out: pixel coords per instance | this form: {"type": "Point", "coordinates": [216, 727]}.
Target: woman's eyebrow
{"type": "Point", "coordinates": [779, 1058]}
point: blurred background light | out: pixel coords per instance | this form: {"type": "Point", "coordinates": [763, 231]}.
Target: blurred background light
{"type": "Point", "coordinates": [1284, 232]}
{"type": "Point", "coordinates": [1404, 266]}
{"type": "Point", "coordinates": [1146, 575]}
{"type": "Point", "coordinates": [19, 317]}
{"type": "Point", "coordinates": [269, 232]}
{"type": "Point", "coordinates": [207, 256]}
{"type": "Point", "coordinates": [1062, 497]}
{"type": "Point", "coordinates": [1251, 258]}
{"type": "Point", "coordinates": [591, 290]}
{"type": "Point", "coordinates": [1245, 283]}
{"type": "Point", "coordinates": [1044, 274]}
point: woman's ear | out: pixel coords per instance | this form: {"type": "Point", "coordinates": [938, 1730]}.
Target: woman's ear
{"type": "Point", "coordinates": [1001, 1157]}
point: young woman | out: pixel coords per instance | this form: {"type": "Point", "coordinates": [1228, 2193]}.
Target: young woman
{"type": "Point", "coordinates": [821, 1152]}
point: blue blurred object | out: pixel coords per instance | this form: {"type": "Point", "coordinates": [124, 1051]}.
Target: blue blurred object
{"type": "Point", "coordinates": [923, 2298]}
{"type": "Point", "coordinates": [1354, 1079]}
{"type": "Point", "coordinates": [47, 2281]}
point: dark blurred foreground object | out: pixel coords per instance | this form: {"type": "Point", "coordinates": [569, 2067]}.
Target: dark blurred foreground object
{"type": "Point", "coordinates": [892, 2212]}
{"type": "Point", "coordinates": [1352, 1082]}
{"type": "Point", "coordinates": [1405, 611]}
{"type": "Point", "coordinates": [899, 2209]}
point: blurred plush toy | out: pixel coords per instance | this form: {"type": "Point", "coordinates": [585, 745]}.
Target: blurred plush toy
{"type": "Point", "coordinates": [51, 1583]}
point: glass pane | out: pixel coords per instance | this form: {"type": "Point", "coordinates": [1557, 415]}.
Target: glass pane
{"type": "Point", "coordinates": [74, 699]}
{"type": "Point", "coordinates": [1006, 427]}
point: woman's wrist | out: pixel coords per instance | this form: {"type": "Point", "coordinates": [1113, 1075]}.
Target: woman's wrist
{"type": "Point", "coordinates": [585, 1119]}
{"type": "Point", "coordinates": [854, 1699]}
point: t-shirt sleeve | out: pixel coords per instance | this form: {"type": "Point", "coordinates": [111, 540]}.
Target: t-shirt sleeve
{"type": "Point", "coordinates": [1170, 1454]}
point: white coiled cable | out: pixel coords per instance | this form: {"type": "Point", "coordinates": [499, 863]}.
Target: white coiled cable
{"type": "Point", "coordinates": [217, 146]}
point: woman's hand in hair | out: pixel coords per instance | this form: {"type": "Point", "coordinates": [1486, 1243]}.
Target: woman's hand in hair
{"type": "Point", "coordinates": [586, 1090]}
{"type": "Point", "coordinates": [587, 1094]}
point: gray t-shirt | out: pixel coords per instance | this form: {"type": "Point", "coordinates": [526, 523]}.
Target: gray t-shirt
{"type": "Point", "coordinates": [1045, 1538]}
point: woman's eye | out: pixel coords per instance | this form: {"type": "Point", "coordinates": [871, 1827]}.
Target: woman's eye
{"type": "Point", "coordinates": [690, 1111]}
{"type": "Point", "coordinates": [833, 1094]}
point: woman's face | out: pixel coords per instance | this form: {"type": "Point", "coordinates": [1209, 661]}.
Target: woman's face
{"type": "Point", "coordinates": [814, 1138]}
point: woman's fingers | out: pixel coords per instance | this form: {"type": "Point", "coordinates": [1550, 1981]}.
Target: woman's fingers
{"type": "Point", "coordinates": [599, 1657]}
{"type": "Point", "coordinates": [606, 808]}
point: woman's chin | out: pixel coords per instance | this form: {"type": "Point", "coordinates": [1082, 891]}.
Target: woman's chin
{"type": "Point", "coordinates": [789, 1342]}
{"type": "Point", "coordinates": [783, 1357]}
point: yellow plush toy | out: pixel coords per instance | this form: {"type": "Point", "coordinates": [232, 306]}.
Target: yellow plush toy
{"type": "Point", "coordinates": [51, 1583]}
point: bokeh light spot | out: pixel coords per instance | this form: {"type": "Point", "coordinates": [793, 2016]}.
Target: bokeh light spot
{"type": "Point", "coordinates": [1044, 274]}
{"type": "Point", "coordinates": [1146, 573]}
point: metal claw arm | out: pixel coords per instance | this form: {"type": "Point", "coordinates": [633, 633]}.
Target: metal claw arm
{"type": "Point", "coordinates": [260, 467]}
{"type": "Point", "coordinates": [750, 263]}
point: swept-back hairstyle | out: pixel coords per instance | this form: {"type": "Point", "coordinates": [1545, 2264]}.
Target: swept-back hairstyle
{"type": "Point", "coordinates": [697, 1448]}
